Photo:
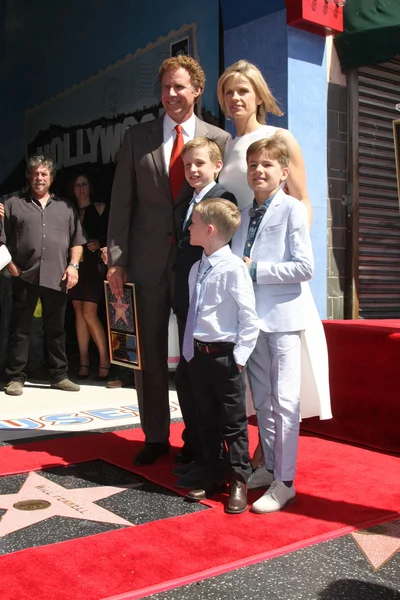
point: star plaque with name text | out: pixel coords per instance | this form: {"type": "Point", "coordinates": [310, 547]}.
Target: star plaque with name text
{"type": "Point", "coordinates": [64, 503]}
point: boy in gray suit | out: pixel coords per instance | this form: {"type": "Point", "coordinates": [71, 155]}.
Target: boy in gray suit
{"type": "Point", "coordinates": [275, 244]}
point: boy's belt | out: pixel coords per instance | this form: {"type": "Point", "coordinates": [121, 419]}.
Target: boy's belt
{"type": "Point", "coordinates": [213, 347]}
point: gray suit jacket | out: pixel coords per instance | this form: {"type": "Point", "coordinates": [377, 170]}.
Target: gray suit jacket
{"type": "Point", "coordinates": [283, 253]}
{"type": "Point", "coordinates": [143, 217]}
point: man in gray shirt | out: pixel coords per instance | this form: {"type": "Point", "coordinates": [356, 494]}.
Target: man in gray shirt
{"type": "Point", "coordinates": [44, 236]}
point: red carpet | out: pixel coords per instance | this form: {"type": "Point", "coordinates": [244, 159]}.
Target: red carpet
{"type": "Point", "coordinates": [339, 488]}
{"type": "Point", "coordinates": [364, 359]}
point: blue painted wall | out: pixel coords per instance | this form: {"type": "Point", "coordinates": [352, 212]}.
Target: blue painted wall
{"type": "Point", "coordinates": [307, 120]}
{"type": "Point", "coordinates": [49, 46]}
{"type": "Point", "coordinates": [237, 12]}
{"type": "Point", "coordinates": [263, 42]}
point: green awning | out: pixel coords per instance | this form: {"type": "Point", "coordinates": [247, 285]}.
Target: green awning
{"type": "Point", "coordinates": [371, 33]}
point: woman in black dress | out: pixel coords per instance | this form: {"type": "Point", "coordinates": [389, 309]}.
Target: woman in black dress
{"type": "Point", "coordinates": [90, 289]}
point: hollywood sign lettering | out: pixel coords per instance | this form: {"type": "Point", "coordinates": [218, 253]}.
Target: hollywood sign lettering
{"type": "Point", "coordinates": [106, 139]}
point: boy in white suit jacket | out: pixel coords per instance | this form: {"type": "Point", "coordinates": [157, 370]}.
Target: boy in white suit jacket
{"type": "Point", "coordinates": [275, 244]}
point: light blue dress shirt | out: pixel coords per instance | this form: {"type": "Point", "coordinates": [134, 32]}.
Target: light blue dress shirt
{"type": "Point", "coordinates": [195, 200]}
{"type": "Point", "coordinates": [226, 308]}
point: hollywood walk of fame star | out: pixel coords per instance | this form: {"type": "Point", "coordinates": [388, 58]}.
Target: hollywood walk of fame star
{"type": "Point", "coordinates": [77, 503]}
{"type": "Point", "coordinates": [379, 543]}
{"type": "Point", "coordinates": [120, 311]}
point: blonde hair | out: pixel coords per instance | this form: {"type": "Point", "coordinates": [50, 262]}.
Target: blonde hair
{"type": "Point", "coordinates": [197, 76]}
{"type": "Point", "coordinates": [214, 151]}
{"type": "Point", "coordinates": [242, 67]}
{"type": "Point", "coordinates": [275, 146]}
{"type": "Point", "coordinates": [221, 213]}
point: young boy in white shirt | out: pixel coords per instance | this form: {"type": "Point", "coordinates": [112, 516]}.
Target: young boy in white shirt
{"type": "Point", "coordinates": [202, 160]}
{"type": "Point", "coordinates": [221, 332]}
{"type": "Point", "coordinates": [275, 244]}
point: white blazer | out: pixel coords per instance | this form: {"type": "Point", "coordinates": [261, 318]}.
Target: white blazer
{"type": "Point", "coordinates": [283, 253]}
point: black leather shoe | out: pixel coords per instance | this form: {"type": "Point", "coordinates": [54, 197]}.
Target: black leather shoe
{"type": "Point", "coordinates": [210, 488]}
{"type": "Point", "coordinates": [237, 502]}
{"type": "Point", "coordinates": [184, 456]}
{"type": "Point", "coordinates": [181, 470]}
{"type": "Point", "coordinates": [194, 479]}
{"type": "Point", "coordinates": [149, 454]}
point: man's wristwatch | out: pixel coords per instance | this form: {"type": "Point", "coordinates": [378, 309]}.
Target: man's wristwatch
{"type": "Point", "coordinates": [74, 265]}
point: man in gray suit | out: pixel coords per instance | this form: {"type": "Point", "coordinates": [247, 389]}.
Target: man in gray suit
{"type": "Point", "coordinates": [149, 196]}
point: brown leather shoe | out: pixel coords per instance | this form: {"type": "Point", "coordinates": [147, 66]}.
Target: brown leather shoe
{"type": "Point", "coordinates": [114, 384]}
{"type": "Point", "coordinates": [237, 502]}
{"type": "Point", "coordinates": [120, 382]}
{"type": "Point", "coordinates": [210, 488]}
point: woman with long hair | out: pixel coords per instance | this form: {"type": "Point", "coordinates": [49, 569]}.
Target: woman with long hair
{"type": "Point", "coordinates": [87, 294]}
{"type": "Point", "coordinates": [246, 99]}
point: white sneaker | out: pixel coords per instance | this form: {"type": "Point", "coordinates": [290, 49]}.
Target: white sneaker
{"type": "Point", "coordinates": [275, 498]}
{"type": "Point", "coordinates": [260, 478]}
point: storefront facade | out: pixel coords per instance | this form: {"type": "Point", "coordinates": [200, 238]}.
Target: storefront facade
{"type": "Point", "coordinates": [369, 51]}
{"type": "Point", "coordinates": [102, 76]}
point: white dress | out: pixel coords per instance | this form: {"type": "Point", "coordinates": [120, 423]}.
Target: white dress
{"type": "Point", "coordinates": [234, 173]}
{"type": "Point", "coordinates": [315, 395]}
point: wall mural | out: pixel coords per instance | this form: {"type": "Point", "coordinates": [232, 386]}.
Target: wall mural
{"type": "Point", "coordinates": [93, 73]}
{"type": "Point", "coordinates": [82, 128]}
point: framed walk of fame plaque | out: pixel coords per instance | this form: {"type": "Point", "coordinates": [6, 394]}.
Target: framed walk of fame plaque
{"type": "Point", "coordinates": [122, 325]}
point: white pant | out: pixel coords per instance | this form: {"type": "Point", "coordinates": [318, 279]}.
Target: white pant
{"type": "Point", "coordinates": [275, 378]}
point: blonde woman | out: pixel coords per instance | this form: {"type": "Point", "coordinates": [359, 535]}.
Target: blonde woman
{"type": "Point", "coordinates": [246, 99]}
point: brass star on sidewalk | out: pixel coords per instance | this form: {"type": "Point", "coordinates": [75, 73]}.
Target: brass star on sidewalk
{"type": "Point", "coordinates": [379, 543]}
{"type": "Point", "coordinates": [39, 499]}
{"type": "Point", "coordinates": [120, 310]}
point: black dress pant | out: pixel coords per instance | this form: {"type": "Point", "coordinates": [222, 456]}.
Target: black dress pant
{"type": "Point", "coordinates": [184, 389]}
{"type": "Point", "coordinates": [220, 400]}
{"type": "Point", "coordinates": [24, 300]}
